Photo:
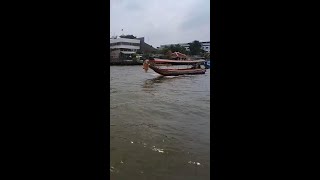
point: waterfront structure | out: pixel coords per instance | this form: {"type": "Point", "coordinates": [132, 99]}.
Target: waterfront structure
{"type": "Point", "coordinates": [123, 48]}
{"type": "Point", "coordinates": [205, 45]}
{"type": "Point", "coordinates": [146, 48]}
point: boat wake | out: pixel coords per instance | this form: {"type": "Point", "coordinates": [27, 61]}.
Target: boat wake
{"type": "Point", "coordinates": [155, 74]}
{"type": "Point", "coordinates": [170, 77]}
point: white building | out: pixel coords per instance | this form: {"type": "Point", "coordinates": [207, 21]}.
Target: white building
{"type": "Point", "coordinates": [205, 46]}
{"type": "Point", "coordinates": [123, 46]}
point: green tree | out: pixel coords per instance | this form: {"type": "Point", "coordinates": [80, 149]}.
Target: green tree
{"type": "Point", "coordinates": [207, 56]}
{"type": "Point", "coordinates": [202, 52]}
{"type": "Point", "coordinates": [179, 48]}
{"type": "Point", "coordinates": [195, 48]}
{"type": "Point", "coordinates": [158, 51]}
{"type": "Point", "coordinates": [146, 55]}
{"type": "Point", "coordinates": [168, 54]}
{"type": "Point", "coordinates": [173, 48]}
{"type": "Point", "coordinates": [134, 56]}
{"type": "Point", "coordinates": [128, 36]}
{"type": "Point", "coordinates": [164, 50]}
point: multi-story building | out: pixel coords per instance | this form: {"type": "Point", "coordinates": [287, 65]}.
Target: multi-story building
{"type": "Point", "coordinates": [122, 48]}
{"type": "Point", "coordinates": [205, 46]}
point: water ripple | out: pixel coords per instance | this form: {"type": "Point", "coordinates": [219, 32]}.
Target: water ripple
{"type": "Point", "coordinates": [159, 125]}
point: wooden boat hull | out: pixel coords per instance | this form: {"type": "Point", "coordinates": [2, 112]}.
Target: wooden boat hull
{"type": "Point", "coordinates": [175, 62]}
{"type": "Point", "coordinates": [177, 72]}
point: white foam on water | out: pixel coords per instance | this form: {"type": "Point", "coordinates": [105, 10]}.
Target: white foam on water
{"type": "Point", "coordinates": [113, 170]}
{"type": "Point", "coordinates": [157, 149]}
{"type": "Point", "coordinates": [196, 163]}
{"type": "Point", "coordinates": [170, 77]}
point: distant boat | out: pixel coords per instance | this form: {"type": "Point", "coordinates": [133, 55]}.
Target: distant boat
{"type": "Point", "coordinates": [155, 64]}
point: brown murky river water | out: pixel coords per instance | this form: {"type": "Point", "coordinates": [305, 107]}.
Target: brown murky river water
{"type": "Point", "coordinates": [160, 126]}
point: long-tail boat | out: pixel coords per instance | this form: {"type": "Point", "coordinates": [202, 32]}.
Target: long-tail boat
{"type": "Point", "coordinates": [155, 65]}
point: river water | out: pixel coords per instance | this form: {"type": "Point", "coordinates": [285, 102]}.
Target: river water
{"type": "Point", "coordinates": [160, 126]}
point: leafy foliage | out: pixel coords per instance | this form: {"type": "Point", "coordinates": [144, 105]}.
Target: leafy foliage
{"type": "Point", "coordinates": [128, 36]}
{"type": "Point", "coordinates": [168, 54]}
{"type": "Point", "coordinates": [195, 48]}
{"type": "Point", "coordinates": [134, 57]}
{"type": "Point", "coordinates": [173, 48]}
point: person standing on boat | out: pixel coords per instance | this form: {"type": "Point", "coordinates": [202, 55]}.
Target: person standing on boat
{"type": "Point", "coordinates": [146, 65]}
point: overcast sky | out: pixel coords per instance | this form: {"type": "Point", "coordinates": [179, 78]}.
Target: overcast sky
{"type": "Point", "coordinates": [161, 21]}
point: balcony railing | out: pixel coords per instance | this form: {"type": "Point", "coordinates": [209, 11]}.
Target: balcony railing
{"type": "Point", "coordinates": [124, 43]}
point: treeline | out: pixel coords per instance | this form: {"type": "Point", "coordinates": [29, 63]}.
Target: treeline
{"type": "Point", "coordinates": [129, 36]}
{"type": "Point", "coordinates": [194, 49]}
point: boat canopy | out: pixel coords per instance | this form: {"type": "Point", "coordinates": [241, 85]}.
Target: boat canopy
{"type": "Point", "coordinates": [176, 61]}
{"type": "Point", "coordinates": [128, 52]}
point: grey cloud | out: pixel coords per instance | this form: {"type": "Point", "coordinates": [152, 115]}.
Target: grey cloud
{"type": "Point", "coordinates": [162, 21]}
